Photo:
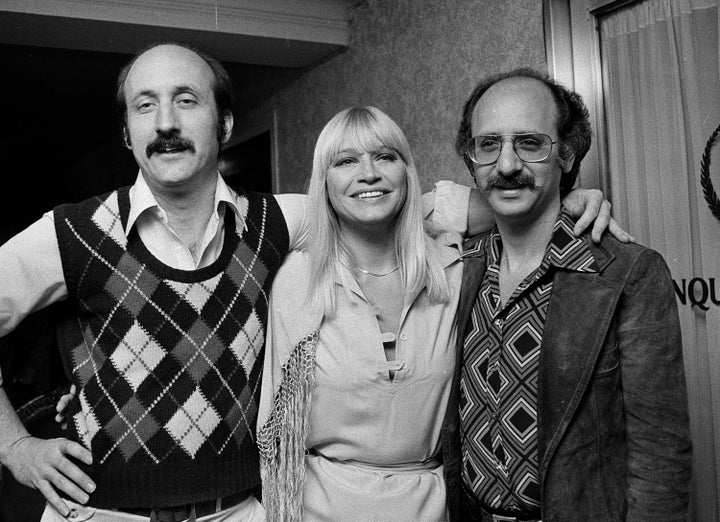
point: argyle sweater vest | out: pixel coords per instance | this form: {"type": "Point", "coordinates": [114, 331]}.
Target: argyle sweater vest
{"type": "Point", "coordinates": [167, 362]}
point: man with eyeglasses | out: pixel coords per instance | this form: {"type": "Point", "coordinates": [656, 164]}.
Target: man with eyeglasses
{"type": "Point", "coordinates": [569, 384]}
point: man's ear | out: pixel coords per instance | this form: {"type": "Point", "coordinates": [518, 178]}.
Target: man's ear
{"type": "Point", "coordinates": [227, 126]}
{"type": "Point", "coordinates": [567, 158]}
{"type": "Point", "coordinates": [568, 164]}
{"type": "Point", "coordinates": [126, 138]}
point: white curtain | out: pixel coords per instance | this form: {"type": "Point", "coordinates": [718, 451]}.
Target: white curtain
{"type": "Point", "coordinates": [661, 90]}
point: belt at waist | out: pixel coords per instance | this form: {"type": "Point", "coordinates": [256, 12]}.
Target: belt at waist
{"type": "Point", "coordinates": [184, 512]}
{"type": "Point", "coordinates": [430, 464]}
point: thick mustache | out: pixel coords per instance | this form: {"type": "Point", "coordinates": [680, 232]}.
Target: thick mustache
{"type": "Point", "coordinates": [164, 143]}
{"type": "Point", "coordinates": [515, 182]}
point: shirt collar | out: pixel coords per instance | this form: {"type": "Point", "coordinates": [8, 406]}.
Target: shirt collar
{"type": "Point", "coordinates": [142, 200]}
{"type": "Point", "coordinates": [565, 251]}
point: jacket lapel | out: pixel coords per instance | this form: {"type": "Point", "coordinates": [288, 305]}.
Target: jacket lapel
{"type": "Point", "coordinates": [473, 273]}
{"type": "Point", "coordinates": [581, 309]}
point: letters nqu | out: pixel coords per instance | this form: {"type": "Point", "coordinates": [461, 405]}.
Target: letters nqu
{"type": "Point", "coordinates": [698, 292]}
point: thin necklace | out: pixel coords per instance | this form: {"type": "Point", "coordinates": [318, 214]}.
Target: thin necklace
{"type": "Point", "coordinates": [368, 272]}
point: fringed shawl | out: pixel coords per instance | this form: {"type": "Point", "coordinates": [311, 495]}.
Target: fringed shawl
{"type": "Point", "coordinates": [281, 439]}
{"type": "Point", "coordinates": [288, 381]}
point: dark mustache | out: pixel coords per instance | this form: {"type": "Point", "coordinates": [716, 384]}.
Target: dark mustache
{"type": "Point", "coordinates": [168, 141]}
{"type": "Point", "coordinates": [515, 182]}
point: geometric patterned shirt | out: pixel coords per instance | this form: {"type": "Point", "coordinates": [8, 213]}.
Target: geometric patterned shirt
{"type": "Point", "coordinates": [499, 375]}
{"type": "Point", "coordinates": [167, 362]}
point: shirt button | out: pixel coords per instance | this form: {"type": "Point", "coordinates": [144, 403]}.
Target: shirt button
{"type": "Point", "coordinates": [498, 323]}
{"type": "Point", "coordinates": [403, 337]}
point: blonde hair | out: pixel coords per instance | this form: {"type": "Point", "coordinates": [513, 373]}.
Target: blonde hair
{"type": "Point", "coordinates": [368, 128]}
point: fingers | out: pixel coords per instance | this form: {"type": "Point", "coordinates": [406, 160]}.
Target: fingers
{"type": "Point", "coordinates": [601, 221]}
{"type": "Point", "coordinates": [78, 451]}
{"type": "Point", "coordinates": [67, 476]}
{"type": "Point", "coordinates": [615, 229]}
{"type": "Point", "coordinates": [598, 212]}
{"type": "Point", "coordinates": [62, 406]}
{"type": "Point", "coordinates": [53, 498]}
{"type": "Point", "coordinates": [68, 479]}
{"type": "Point", "coordinates": [47, 466]}
{"type": "Point", "coordinates": [60, 419]}
{"type": "Point", "coordinates": [590, 205]}
{"type": "Point", "coordinates": [64, 400]}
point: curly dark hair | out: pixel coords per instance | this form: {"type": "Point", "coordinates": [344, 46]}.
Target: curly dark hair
{"type": "Point", "coordinates": [573, 124]}
{"type": "Point", "coordinates": [222, 85]}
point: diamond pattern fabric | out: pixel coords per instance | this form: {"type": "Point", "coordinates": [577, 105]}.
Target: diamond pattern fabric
{"type": "Point", "coordinates": [499, 378]}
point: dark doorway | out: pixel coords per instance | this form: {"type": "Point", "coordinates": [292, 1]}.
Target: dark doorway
{"type": "Point", "coordinates": [59, 140]}
{"type": "Point", "coordinates": [249, 164]}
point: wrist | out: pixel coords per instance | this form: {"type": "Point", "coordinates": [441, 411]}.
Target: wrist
{"type": "Point", "coordinates": [8, 448]}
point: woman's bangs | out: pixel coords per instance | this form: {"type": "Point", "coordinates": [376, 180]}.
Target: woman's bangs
{"type": "Point", "coordinates": [367, 133]}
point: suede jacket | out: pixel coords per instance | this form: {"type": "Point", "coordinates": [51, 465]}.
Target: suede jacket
{"type": "Point", "coordinates": [613, 434]}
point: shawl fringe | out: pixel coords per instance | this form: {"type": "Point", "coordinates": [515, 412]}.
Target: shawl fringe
{"type": "Point", "coordinates": [281, 440]}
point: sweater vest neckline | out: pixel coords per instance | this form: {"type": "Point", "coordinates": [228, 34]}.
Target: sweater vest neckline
{"type": "Point", "coordinates": [144, 255]}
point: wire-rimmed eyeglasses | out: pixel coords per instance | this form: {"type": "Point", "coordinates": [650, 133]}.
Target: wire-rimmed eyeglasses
{"type": "Point", "coordinates": [530, 147]}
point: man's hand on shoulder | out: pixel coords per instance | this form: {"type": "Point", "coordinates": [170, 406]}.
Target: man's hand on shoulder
{"type": "Point", "coordinates": [47, 465]}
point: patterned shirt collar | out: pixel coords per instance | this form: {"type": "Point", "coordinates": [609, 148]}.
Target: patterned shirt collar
{"type": "Point", "coordinates": [565, 251]}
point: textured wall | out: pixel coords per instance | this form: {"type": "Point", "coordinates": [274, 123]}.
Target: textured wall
{"type": "Point", "coordinates": [415, 59]}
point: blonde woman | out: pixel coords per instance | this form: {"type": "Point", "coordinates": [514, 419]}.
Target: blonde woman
{"type": "Point", "coordinates": [360, 354]}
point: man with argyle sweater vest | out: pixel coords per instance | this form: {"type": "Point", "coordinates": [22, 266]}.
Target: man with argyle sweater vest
{"type": "Point", "coordinates": [169, 281]}
{"type": "Point", "coordinates": [569, 400]}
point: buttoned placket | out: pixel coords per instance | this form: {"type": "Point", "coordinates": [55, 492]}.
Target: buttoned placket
{"type": "Point", "coordinates": [499, 316]}
{"type": "Point", "coordinates": [401, 337]}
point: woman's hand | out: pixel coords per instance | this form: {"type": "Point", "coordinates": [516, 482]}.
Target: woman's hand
{"type": "Point", "coordinates": [589, 207]}
{"type": "Point", "coordinates": [62, 406]}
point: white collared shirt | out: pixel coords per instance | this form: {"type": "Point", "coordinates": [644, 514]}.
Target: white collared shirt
{"type": "Point", "coordinates": [152, 225]}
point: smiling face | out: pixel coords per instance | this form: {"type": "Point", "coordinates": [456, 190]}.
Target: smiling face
{"type": "Point", "coordinates": [516, 190]}
{"type": "Point", "coordinates": [367, 186]}
{"type": "Point", "coordinates": [172, 120]}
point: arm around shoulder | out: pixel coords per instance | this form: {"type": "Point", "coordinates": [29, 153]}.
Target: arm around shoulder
{"type": "Point", "coordinates": [450, 207]}
{"type": "Point", "coordinates": [295, 210]}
